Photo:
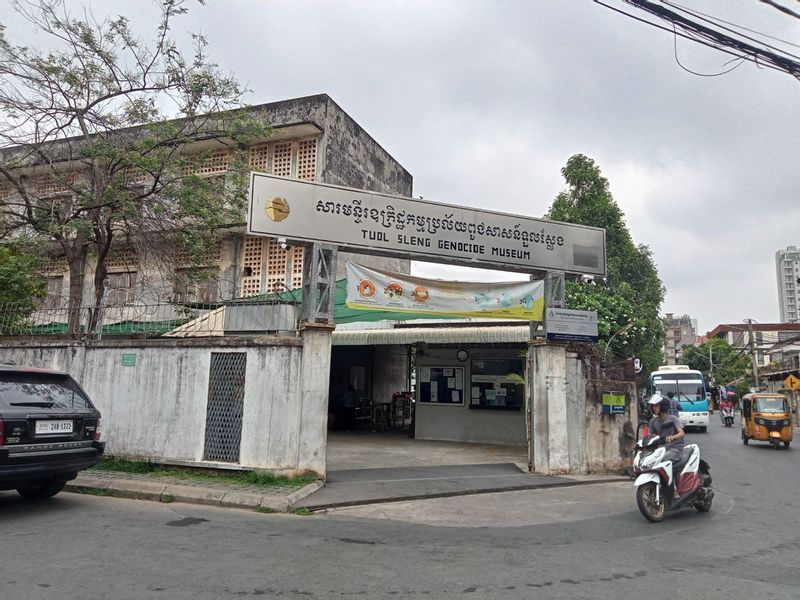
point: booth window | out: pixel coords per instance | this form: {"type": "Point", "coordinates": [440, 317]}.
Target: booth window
{"type": "Point", "coordinates": [497, 384]}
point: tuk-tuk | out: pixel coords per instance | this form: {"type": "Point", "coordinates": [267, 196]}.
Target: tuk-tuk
{"type": "Point", "coordinates": [766, 418]}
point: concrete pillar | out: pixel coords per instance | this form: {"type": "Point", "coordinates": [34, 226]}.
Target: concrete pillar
{"type": "Point", "coordinates": [314, 382]}
{"type": "Point", "coordinates": [548, 365]}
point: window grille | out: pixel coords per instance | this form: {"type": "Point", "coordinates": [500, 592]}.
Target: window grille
{"type": "Point", "coordinates": [215, 164]}
{"type": "Point", "coordinates": [121, 258]}
{"type": "Point", "coordinates": [251, 279]}
{"type": "Point", "coordinates": [307, 160]}
{"type": "Point", "coordinates": [226, 381]}
{"type": "Point", "coordinates": [259, 158]}
{"type": "Point", "coordinates": [282, 163]}
{"type": "Point", "coordinates": [50, 186]}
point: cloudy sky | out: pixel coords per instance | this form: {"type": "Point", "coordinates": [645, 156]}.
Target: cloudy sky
{"type": "Point", "coordinates": [484, 102]}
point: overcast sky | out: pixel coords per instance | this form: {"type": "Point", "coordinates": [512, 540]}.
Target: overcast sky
{"type": "Point", "coordinates": [484, 102]}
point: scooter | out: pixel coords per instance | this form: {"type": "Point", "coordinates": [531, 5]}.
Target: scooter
{"type": "Point", "coordinates": [727, 416]}
{"type": "Point", "coordinates": [655, 484]}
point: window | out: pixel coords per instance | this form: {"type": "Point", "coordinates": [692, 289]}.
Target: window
{"type": "Point", "coordinates": [497, 384]}
{"type": "Point", "coordinates": [121, 288]}
{"type": "Point", "coordinates": [196, 285]}
{"type": "Point", "coordinates": [54, 291]}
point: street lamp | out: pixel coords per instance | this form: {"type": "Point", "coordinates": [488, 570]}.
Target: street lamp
{"type": "Point", "coordinates": [623, 329]}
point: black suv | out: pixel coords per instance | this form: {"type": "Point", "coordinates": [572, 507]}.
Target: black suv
{"type": "Point", "coordinates": [49, 430]}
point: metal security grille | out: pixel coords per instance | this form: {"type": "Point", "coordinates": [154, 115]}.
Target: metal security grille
{"type": "Point", "coordinates": [225, 406]}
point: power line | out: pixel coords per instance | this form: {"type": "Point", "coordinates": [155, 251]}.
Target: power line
{"type": "Point", "coordinates": [712, 38]}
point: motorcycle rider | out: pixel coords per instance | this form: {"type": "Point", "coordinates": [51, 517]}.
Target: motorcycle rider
{"type": "Point", "coordinates": [669, 427]}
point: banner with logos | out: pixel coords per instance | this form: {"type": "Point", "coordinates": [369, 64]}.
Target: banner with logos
{"type": "Point", "coordinates": [368, 289]}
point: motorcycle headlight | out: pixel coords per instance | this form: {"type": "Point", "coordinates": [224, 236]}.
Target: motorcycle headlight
{"type": "Point", "coordinates": [760, 422]}
{"type": "Point", "coordinates": [786, 421]}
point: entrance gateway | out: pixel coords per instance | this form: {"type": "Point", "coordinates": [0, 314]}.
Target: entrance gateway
{"type": "Point", "coordinates": [327, 218]}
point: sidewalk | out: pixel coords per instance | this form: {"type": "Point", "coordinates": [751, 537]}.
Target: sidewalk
{"type": "Point", "coordinates": [344, 488]}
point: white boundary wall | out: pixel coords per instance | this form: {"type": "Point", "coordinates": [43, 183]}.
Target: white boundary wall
{"type": "Point", "coordinates": [156, 410]}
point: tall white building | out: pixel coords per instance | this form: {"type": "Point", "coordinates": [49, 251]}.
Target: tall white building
{"type": "Point", "coordinates": [787, 266]}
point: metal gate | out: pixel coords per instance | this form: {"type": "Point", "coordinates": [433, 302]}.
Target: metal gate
{"type": "Point", "coordinates": [225, 406]}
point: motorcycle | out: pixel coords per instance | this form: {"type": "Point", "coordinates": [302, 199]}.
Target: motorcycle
{"type": "Point", "coordinates": [727, 416]}
{"type": "Point", "coordinates": [655, 484]}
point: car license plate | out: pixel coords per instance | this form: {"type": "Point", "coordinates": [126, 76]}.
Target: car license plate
{"type": "Point", "coordinates": [45, 427]}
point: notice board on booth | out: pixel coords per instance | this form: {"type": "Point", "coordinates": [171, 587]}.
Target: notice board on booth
{"type": "Point", "coordinates": [441, 385]}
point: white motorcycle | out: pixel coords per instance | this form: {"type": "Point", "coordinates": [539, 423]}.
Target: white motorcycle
{"type": "Point", "coordinates": [656, 485]}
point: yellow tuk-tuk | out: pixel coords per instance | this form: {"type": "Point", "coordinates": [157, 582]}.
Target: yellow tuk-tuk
{"type": "Point", "coordinates": [766, 418]}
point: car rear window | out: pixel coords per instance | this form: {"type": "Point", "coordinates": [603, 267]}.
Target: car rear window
{"type": "Point", "coordinates": [55, 392]}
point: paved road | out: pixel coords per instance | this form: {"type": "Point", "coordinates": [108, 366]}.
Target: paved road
{"type": "Point", "coordinates": [587, 542]}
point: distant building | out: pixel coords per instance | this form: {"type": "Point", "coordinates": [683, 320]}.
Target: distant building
{"type": "Point", "coordinates": [766, 338]}
{"type": "Point", "coordinates": [787, 267]}
{"type": "Point", "coordinates": [681, 331]}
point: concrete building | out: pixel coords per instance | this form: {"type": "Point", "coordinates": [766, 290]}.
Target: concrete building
{"type": "Point", "coordinates": [260, 398]}
{"type": "Point", "coordinates": [681, 331]}
{"type": "Point", "coordinates": [787, 272]}
{"type": "Point", "coordinates": [313, 140]}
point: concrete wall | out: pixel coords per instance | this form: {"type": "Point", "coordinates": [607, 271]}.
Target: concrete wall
{"type": "Point", "coordinates": [461, 423]}
{"type": "Point", "coordinates": [389, 371]}
{"type": "Point", "coordinates": [570, 432]}
{"type": "Point", "coordinates": [156, 410]}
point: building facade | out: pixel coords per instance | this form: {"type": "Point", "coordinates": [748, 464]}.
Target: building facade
{"type": "Point", "coordinates": [313, 140]}
{"type": "Point", "coordinates": [787, 271]}
{"type": "Point", "coordinates": [681, 331]}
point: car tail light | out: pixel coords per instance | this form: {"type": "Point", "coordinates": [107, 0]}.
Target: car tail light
{"type": "Point", "coordinates": [97, 432]}
{"type": "Point", "coordinates": [2, 432]}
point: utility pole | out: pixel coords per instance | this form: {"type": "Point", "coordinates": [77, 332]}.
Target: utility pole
{"type": "Point", "coordinates": [752, 345]}
{"type": "Point", "coordinates": [711, 362]}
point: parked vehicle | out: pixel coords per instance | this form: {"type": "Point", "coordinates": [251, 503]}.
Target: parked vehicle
{"type": "Point", "coordinates": [766, 418]}
{"type": "Point", "coordinates": [727, 415]}
{"type": "Point", "coordinates": [49, 430]}
{"type": "Point", "coordinates": [656, 483]}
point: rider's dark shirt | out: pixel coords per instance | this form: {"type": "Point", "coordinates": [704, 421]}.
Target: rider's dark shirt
{"type": "Point", "coordinates": [669, 426]}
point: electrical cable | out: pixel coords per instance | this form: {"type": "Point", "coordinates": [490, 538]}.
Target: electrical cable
{"type": "Point", "coordinates": [715, 21]}
{"type": "Point", "coordinates": [712, 38]}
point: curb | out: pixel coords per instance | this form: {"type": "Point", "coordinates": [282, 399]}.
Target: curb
{"type": "Point", "coordinates": [168, 492]}
{"type": "Point", "coordinates": [451, 494]}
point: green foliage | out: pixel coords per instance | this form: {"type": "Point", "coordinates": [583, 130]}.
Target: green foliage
{"type": "Point", "coordinates": [729, 365]}
{"type": "Point", "coordinates": [20, 286]}
{"type": "Point", "coordinates": [19, 283]}
{"type": "Point", "coordinates": [628, 303]}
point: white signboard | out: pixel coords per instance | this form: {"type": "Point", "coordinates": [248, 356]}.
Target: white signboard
{"type": "Point", "coordinates": [563, 325]}
{"type": "Point", "coordinates": [396, 226]}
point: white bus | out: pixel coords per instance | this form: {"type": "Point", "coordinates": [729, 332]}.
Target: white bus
{"type": "Point", "coordinates": [689, 386]}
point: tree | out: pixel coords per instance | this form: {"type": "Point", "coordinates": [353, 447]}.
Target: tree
{"type": "Point", "coordinates": [729, 365]}
{"type": "Point", "coordinates": [96, 142]}
{"type": "Point", "coordinates": [20, 286]}
{"type": "Point", "coordinates": [628, 302]}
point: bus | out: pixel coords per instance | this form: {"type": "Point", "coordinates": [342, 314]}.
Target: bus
{"type": "Point", "coordinates": [689, 386]}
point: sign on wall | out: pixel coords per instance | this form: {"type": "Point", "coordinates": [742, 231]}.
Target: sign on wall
{"type": "Point", "coordinates": [441, 385]}
{"type": "Point", "coordinates": [563, 325]}
{"type": "Point", "coordinates": [408, 227]}
{"type": "Point", "coordinates": [369, 289]}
